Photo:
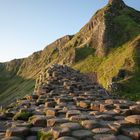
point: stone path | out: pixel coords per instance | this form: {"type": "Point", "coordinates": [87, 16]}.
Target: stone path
{"type": "Point", "coordinates": [68, 106]}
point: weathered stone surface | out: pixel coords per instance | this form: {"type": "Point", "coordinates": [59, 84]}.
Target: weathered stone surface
{"type": "Point", "coordinates": [67, 138]}
{"type": "Point", "coordinates": [104, 137]}
{"type": "Point", "coordinates": [56, 121]}
{"type": "Point", "coordinates": [81, 134]}
{"type": "Point", "coordinates": [101, 130]}
{"type": "Point", "coordinates": [59, 132]}
{"type": "Point", "coordinates": [51, 112]}
{"type": "Point", "coordinates": [12, 138]}
{"type": "Point", "coordinates": [38, 120]}
{"type": "Point", "coordinates": [84, 104]}
{"type": "Point", "coordinates": [133, 132]}
{"type": "Point", "coordinates": [133, 119]}
{"type": "Point", "coordinates": [31, 138]}
{"type": "Point", "coordinates": [50, 104]}
{"type": "Point", "coordinates": [78, 118]}
{"type": "Point", "coordinates": [122, 137]}
{"type": "Point", "coordinates": [104, 117]}
{"type": "Point", "coordinates": [95, 106]}
{"type": "Point", "coordinates": [68, 106]}
{"type": "Point", "coordinates": [72, 113]}
{"type": "Point", "coordinates": [61, 100]}
{"type": "Point", "coordinates": [135, 109]}
{"type": "Point", "coordinates": [2, 135]}
{"type": "Point", "coordinates": [35, 130]}
{"type": "Point", "coordinates": [114, 127]}
{"type": "Point", "coordinates": [89, 124]}
{"type": "Point", "coordinates": [17, 131]}
{"type": "Point", "coordinates": [104, 123]}
{"type": "Point", "coordinates": [72, 126]}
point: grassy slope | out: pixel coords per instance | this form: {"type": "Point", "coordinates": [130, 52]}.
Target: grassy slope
{"type": "Point", "coordinates": [120, 57]}
{"type": "Point", "coordinates": [108, 67]}
{"type": "Point", "coordinates": [18, 82]}
{"type": "Point", "coordinates": [16, 88]}
{"type": "Point", "coordinates": [12, 86]}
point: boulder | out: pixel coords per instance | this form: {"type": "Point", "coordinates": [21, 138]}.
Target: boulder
{"type": "Point", "coordinates": [50, 104]}
{"type": "Point", "coordinates": [17, 131]}
{"type": "Point", "coordinates": [81, 134]}
{"type": "Point", "coordinates": [95, 106]}
{"type": "Point", "coordinates": [84, 104]}
{"type": "Point", "coordinates": [131, 131]}
{"type": "Point", "coordinates": [59, 132]}
{"type": "Point", "coordinates": [90, 124]}
{"type": "Point", "coordinates": [56, 121]}
{"type": "Point", "coordinates": [72, 113]}
{"type": "Point", "coordinates": [78, 118]}
{"type": "Point", "coordinates": [122, 137]}
{"type": "Point", "coordinates": [102, 130]}
{"type": "Point", "coordinates": [133, 119]}
{"type": "Point", "coordinates": [71, 126]}
{"type": "Point", "coordinates": [135, 109]}
{"type": "Point", "coordinates": [38, 120]}
{"type": "Point", "coordinates": [51, 112]}
{"type": "Point", "coordinates": [104, 137]}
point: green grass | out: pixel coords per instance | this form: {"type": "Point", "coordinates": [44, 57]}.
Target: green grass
{"type": "Point", "coordinates": [106, 67]}
{"type": "Point", "coordinates": [44, 135]}
{"type": "Point", "coordinates": [22, 115]}
{"type": "Point", "coordinates": [120, 58]}
{"type": "Point", "coordinates": [82, 53]}
{"type": "Point", "coordinates": [129, 27]}
{"type": "Point", "coordinates": [15, 88]}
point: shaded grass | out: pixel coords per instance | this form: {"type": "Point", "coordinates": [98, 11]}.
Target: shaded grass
{"type": "Point", "coordinates": [82, 53]}
{"type": "Point", "coordinates": [22, 115]}
{"type": "Point", "coordinates": [15, 88]}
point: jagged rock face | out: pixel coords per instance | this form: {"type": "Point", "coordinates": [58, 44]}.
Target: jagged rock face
{"type": "Point", "coordinates": [68, 106]}
{"type": "Point", "coordinates": [99, 31]}
{"type": "Point", "coordinates": [61, 42]}
{"type": "Point", "coordinates": [102, 27]}
{"type": "Point", "coordinates": [117, 3]}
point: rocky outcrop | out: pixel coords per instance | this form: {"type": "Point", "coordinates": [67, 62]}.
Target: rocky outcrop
{"type": "Point", "coordinates": [67, 105]}
{"type": "Point", "coordinates": [117, 3]}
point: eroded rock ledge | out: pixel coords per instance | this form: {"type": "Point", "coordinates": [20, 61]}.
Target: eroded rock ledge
{"type": "Point", "coordinates": [66, 105]}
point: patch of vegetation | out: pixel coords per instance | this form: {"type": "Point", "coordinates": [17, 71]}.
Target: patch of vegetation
{"type": "Point", "coordinates": [45, 135]}
{"type": "Point", "coordinates": [22, 115]}
{"type": "Point", "coordinates": [82, 53]}
{"type": "Point", "coordinates": [120, 58]}
{"type": "Point", "coordinates": [129, 27]}
{"type": "Point", "coordinates": [2, 110]}
{"type": "Point", "coordinates": [15, 88]}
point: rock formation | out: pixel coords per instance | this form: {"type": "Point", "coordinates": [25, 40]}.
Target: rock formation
{"type": "Point", "coordinates": [66, 105]}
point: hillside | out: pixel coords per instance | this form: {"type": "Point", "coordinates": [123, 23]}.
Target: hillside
{"type": "Point", "coordinates": [107, 44]}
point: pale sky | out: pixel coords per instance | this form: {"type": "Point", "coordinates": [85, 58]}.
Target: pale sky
{"type": "Point", "coordinates": [29, 25]}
